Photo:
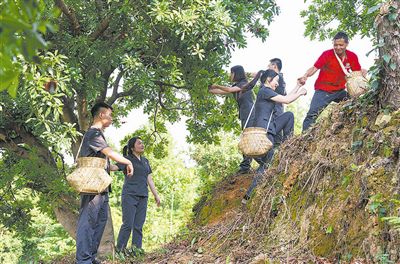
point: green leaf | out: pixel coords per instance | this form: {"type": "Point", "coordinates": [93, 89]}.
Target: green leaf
{"type": "Point", "coordinates": [329, 230]}
{"type": "Point", "coordinates": [393, 66]}
{"type": "Point", "coordinates": [392, 17]}
{"type": "Point", "coordinates": [10, 82]}
{"type": "Point", "coordinates": [386, 57]}
{"type": "Point", "coordinates": [373, 9]}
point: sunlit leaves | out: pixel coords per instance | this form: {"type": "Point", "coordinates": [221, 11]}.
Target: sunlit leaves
{"type": "Point", "coordinates": [325, 17]}
{"type": "Point", "coordinates": [22, 25]}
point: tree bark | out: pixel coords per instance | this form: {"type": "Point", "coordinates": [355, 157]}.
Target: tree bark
{"type": "Point", "coordinates": [388, 26]}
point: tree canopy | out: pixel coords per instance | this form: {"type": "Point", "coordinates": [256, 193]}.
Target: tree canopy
{"type": "Point", "coordinates": [160, 55]}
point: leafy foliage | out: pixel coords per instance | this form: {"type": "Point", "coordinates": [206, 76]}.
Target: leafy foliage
{"type": "Point", "coordinates": [22, 26]}
{"type": "Point", "coordinates": [324, 17]}
{"type": "Point", "coordinates": [159, 55]}
{"type": "Point", "coordinates": [177, 186]}
{"type": "Point", "coordinates": [215, 161]}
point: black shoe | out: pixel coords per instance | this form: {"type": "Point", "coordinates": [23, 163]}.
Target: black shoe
{"type": "Point", "coordinates": [96, 261]}
{"type": "Point", "coordinates": [243, 171]}
{"type": "Point", "coordinates": [245, 199]}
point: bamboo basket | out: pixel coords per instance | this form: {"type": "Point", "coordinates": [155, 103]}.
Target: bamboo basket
{"type": "Point", "coordinates": [356, 84]}
{"type": "Point", "coordinates": [254, 142]}
{"type": "Point", "coordinates": [90, 175]}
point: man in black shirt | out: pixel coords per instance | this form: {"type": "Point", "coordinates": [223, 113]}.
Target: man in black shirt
{"type": "Point", "coordinates": [93, 212]}
{"type": "Point", "coordinates": [276, 65]}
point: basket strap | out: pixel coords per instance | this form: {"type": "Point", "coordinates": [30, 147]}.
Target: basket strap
{"type": "Point", "coordinates": [341, 65]}
{"type": "Point", "coordinates": [269, 120]}
{"type": "Point", "coordinates": [79, 150]}
{"type": "Point", "coordinates": [247, 120]}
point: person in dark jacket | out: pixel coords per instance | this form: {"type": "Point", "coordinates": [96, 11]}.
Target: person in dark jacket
{"type": "Point", "coordinates": [243, 94]}
{"type": "Point", "coordinates": [93, 212]}
{"type": "Point", "coordinates": [267, 98]}
{"type": "Point", "coordinates": [135, 195]}
{"type": "Point", "coordinates": [276, 65]}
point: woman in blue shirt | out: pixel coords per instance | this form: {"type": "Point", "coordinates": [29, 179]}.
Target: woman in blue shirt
{"type": "Point", "coordinates": [135, 195]}
{"type": "Point", "coordinates": [241, 90]}
{"type": "Point", "coordinates": [264, 107]}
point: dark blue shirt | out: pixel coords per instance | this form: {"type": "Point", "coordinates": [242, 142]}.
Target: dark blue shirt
{"type": "Point", "coordinates": [92, 145]}
{"type": "Point", "coordinates": [264, 106]}
{"type": "Point", "coordinates": [244, 100]}
{"type": "Point", "coordinates": [137, 183]}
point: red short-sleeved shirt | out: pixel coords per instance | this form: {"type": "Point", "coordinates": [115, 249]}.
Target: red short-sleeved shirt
{"type": "Point", "coordinates": [331, 77]}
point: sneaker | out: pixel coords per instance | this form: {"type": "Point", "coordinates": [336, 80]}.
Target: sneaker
{"type": "Point", "coordinates": [243, 171]}
{"type": "Point", "coordinates": [96, 261]}
{"type": "Point", "coordinates": [245, 199]}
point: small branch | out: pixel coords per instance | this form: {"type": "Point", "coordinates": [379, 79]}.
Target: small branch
{"type": "Point", "coordinates": [70, 15]}
{"type": "Point", "coordinates": [155, 120]}
{"type": "Point", "coordinates": [169, 85]}
{"type": "Point", "coordinates": [161, 103]}
{"type": "Point", "coordinates": [100, 4]}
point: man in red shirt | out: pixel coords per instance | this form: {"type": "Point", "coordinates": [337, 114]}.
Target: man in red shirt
{"type": "Point", "coordinates": [331, 82]}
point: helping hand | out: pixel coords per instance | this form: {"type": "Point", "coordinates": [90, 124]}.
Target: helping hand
{"type": "Point", "coordinates": [211, 87]}
{"type": "Point", "coordinates": [129, 170]}
{"type": "Point", "coordinates": [158, 201]}
{"type": "Point", "coordinates": [301, 80]}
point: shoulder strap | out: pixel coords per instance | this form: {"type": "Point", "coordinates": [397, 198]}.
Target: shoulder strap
{"type": "Point", "coordinates": [341, 65]}
{"type": "Point", "coordinates": [269, 120]}
{"type": "Point", "coordinates": [248, 117]}
{"type": "Point", "coordinates": [79, 150]}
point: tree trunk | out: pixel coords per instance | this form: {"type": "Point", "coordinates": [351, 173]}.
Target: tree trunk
{"type": "Point", "coordinates": [388, 25]}
{"type": "Point", "coordinates": [68, 218]}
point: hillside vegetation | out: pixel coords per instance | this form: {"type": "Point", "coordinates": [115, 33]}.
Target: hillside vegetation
{"type": "Point", "coordinates": [324, 199]}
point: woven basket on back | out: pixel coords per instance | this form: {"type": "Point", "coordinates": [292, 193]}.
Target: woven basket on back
{"type": "Point", "coordinates": [90, 175]}
{"type": "Point", "coordinates": [254, 142]}
{"type": "Point", "coordinates": [356, 84]}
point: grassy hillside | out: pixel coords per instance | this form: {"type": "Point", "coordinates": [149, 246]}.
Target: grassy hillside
{"type": "Point", "coordinates": [324, 199]}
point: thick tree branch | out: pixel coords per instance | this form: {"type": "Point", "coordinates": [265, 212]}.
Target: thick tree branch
{"type": "Point", "coordinates": [112, 99]}
{"type": "Point", "coordinates": [106, 76]}
{"type": "Point", "coordinates": [68, 112]}
{"type": "Point", "coordinates": [116, 83]}
{"type": "Point", "coordinates": [100, 29]}
{"type": "Point", "coordinates": [70, 15]}
{"type": "Point", "coordinates": [83, 115]}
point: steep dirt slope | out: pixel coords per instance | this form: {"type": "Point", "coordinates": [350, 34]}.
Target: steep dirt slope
{"type": "Point", "coordinates": [321, 201]}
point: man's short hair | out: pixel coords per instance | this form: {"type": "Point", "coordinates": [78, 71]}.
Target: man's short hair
{"type": "Point", "coordinates": [97, 107]}
{"type": "Point", "coordinates": [277, 62]}
{"type": "Point", "coordinates": [341, 35]}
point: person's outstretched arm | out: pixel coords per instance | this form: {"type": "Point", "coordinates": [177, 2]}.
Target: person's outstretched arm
{"type": "Point", "coordinates": [150, 182]}
{"type": "Point", "coordinates": [310, 72]}
{"type": "Point", "coordinates": [292, 96]}
{"type": "Point", "coordinates": [225, 89]}
{"type": "Point", "coordinates": [119, 158]}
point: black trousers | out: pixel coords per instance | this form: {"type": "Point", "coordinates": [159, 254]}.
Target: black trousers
{"type": "Point", "coordinates": [320, 100]}
{"type": "Point", "coordinates": [134, 210]}
{"type": "Point", "coordinates": [92, 220]}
